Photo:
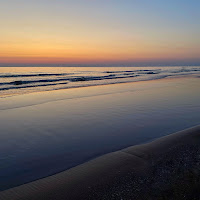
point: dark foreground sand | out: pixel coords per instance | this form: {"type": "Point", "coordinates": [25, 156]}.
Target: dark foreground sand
{"type": "Point", "coordinates": [167, 168]}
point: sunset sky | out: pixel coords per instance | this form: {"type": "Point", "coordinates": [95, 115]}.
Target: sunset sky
{"type": "Point", "coordinates": [99, 32]}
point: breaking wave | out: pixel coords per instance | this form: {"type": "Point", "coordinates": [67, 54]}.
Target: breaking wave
{"type": "Point", "coordinates": [81, 78]}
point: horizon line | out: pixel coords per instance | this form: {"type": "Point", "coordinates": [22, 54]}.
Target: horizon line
{"type": "Point", "coordinates": [98, 65]}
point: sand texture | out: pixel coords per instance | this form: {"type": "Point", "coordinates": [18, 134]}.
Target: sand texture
{"type": "Point", "coordinates": [156, 170]}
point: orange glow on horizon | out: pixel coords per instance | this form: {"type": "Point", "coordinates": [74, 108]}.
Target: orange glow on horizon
{"type": "Point", "coordinates": [91, 33]}
{"type": "Point", "coordinates": [45, 52]}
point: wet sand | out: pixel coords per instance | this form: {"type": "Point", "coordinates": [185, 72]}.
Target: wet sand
{"type": "Point", "coordinates": [148, 171]}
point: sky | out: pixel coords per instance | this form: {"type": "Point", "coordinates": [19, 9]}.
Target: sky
{"type": "Point", "coordinates": [99, 32]}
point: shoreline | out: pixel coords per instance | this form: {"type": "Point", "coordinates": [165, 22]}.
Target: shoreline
{"type": "Point", "coordinates": [39, 140]}
{"type": "Point", "coordinates": [46, 96]}
{"type": "Point", "coordinates": [191, 76]}
{"type": "Point", "coordinates": [114, 174]}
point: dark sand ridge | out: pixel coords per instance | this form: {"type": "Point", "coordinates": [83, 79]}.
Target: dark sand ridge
{"type": "Point", "coordinates": [156, 170]}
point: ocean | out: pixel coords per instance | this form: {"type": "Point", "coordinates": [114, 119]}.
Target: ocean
{"type": "Point", "coordinates": [21, 80]}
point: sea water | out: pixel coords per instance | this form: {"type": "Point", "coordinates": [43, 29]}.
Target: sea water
{"type": "Point", "coordinates": [20, 80]}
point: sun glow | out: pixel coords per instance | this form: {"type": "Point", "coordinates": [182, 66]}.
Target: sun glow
{"type": "Point", "coordinates": [89, 36]}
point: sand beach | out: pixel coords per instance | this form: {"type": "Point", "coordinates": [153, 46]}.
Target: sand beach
{"type": "Point", "coordinates": [44, 133]}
